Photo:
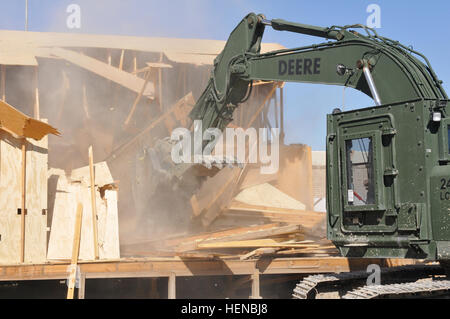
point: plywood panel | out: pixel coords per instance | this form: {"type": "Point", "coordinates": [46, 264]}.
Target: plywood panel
{"type": "Point", "coordinates": [10, 237]}
{"type": "Point", "coordinates": [10, 172]}
{"type": "Point", "coordinates": [10, 199]}
{"type": "Point", "coordinates": [109, 227]}
{"type": "Point", "coordinates": [76, 189]}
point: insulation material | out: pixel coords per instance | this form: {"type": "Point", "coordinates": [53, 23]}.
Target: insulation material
{"type": "Point", "coordinates": [72, 190]}
{"type": "Point", "coordinates": [267, 195]}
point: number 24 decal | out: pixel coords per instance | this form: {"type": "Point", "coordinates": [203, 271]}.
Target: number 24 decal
{"type": "Point", "coordinates": [445, 183]}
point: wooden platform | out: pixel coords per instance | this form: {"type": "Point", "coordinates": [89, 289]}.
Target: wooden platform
{"type": "Point", "coordinates": [182, 267]}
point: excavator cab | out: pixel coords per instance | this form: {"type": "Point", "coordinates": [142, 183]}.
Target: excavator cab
{"type": "Point", "coordinates": [387, 178]}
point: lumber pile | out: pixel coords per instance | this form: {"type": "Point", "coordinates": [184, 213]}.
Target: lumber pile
{"type": "Point", "coordinates": [248, 216]}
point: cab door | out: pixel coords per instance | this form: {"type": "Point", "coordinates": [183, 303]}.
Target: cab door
{"type": "Point", "coordinates": [367, 175]}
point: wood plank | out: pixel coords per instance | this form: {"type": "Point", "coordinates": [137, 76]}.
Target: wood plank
{"type": "Point", "coordinates": [248, 235]}
{"type": "Point", "coordinates": [172, 288]}
{"type": "Point", "coordinates": [255, 243]}
{"type": "Point", "coordinates": [36, 94]}
{"type": "Point", "coordinates": [23, 181]}
{"type": "Point", "coordinates": [102, 69]}
{"type": "Point", "coordinates": [75, 251]}
{"type": "Point", "coordinates": [161, 267]}
{"type": "Point", "coordinates": [218, 234]}
{"type": "Point", "coordinates": [3, 82]}
{"type": "Point", "coordinates": [93, 204]}
{"type": "Point", "coordinates": [136, 101]}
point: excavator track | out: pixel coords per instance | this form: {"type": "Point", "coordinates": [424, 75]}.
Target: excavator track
{"type": "Point", "coordinates": [421, 288]}
{"type": "Point", "coordinates": [353, 284]}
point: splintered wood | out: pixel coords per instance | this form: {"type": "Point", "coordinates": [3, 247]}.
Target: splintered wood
{"type": "Point", "coordinates": [76, 189]}
{"type": "Point", "coordinates": [247, 215]}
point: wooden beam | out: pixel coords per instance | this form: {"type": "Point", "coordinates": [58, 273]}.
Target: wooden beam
{"type": "Point", "coordinates": [85, 102]}
{"type": "Point", "coordinates": [188, 99]}
{"type": "Point", "coordinates": [121, 59]}
{"type": "Point", "coordinates": [257, 243]}
{"type": "Point", "coordinates": [75, 251]}
{"type": "Point", "coordinates": [3, 83]}
{"type": "Point", "coordinates": [246, 233]}
{"type": "Point", "coordinates": [127, 80]}
{"type": "Point", "coordinates": [153, 65]}
{"type": "Point", "coordinates": [160, 267]}
{"type": "Point", "coordinates": [36, 93]}
{"type": "Point", "coordinates": [160, 87]}
{"type": "Point", "coordinates": [23, 180]}
{"type": "Point", "coordinates": [82, 286]}
{"type": "Point", "coordinates": [94, 206]}
{"type": "Point", "coordinates": [172, 288]}
{"type": "Point", "coordinates": [136, 101]}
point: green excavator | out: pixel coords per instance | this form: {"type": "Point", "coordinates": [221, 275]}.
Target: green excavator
{"type": "Point", "coordinates": [387, 166]}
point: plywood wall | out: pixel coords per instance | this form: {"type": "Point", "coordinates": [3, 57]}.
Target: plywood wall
{"type": "Point", "coordinates": [10, 199]}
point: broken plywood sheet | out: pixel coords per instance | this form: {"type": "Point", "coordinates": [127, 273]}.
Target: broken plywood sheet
{"type": "Point", "coordinates": [72, 190]}
{"type": "Point", "coordinates": [10, 199]}
{"type": "Point", "coordinates": [269, 196]}
{"type": "Point", "coordinates": [14, 121]}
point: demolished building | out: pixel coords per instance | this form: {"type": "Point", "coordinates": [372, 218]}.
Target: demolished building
{"type": "Point", "coordinates": [119, 95]}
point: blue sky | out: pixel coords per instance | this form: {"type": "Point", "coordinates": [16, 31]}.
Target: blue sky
{"type": "Point", "coordinates": [422, 24]}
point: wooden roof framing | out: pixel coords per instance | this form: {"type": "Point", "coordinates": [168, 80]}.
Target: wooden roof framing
{"type": "Point", "coordinates": [22, 48]}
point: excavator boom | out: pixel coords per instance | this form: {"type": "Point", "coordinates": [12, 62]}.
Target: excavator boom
{"type": "Point", "coordinates": [395, 72]}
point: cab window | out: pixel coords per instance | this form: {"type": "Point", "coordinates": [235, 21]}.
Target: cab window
{"type": "Point", "coordinates": [360, 176]}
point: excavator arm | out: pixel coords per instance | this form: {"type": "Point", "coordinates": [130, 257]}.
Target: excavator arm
{"type": "Point", "coordinates": [379, 67]}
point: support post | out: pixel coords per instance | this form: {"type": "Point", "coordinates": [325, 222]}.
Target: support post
{"type": "Point", "coordinates": [282, 115]}
{"type": "Point", "coordinates": [136, 101]}
{"type": "Point", "coordinates": [85, 102]}
{"type": "Point", "coordinates": [255, 286]}
{"type": "Point", "coordinates": [75, 251]}
{"type": "Point", "coordinates": [3, 83]}
{"type": "Point", "coordinates": [23, 208]}
{"type": "Point", "coordinates": [172, 286]}
{"type": "Point", "coordinates": [82, 286]}
{"type": "Point", "coordinates": [121, 59]}
{"type": "Point", "coordinates": [94, 206]}
{"type": "Point", "coordinates": [161, 107]}
{"type": "Point", "coordinates": [36, 94]}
